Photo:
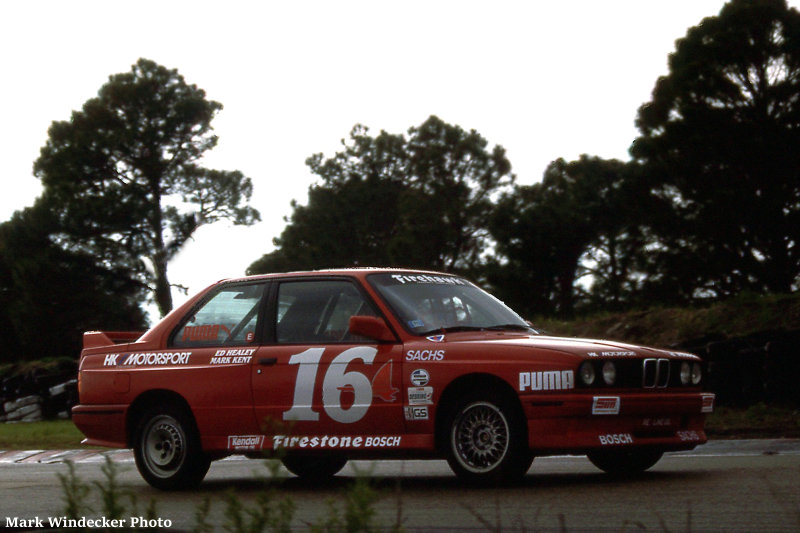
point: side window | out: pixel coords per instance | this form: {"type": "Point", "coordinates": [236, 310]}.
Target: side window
{"type": "Point", "coordinates": [228, 318]}
{"type": "Point", "coordinates": [319, 311]}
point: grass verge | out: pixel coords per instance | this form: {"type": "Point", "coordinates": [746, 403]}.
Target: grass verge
{"type": "Point", "coordinates": [44, 435]}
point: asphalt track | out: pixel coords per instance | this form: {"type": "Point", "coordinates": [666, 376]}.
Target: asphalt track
{"type": "Point", "coordinates": [731, 485]}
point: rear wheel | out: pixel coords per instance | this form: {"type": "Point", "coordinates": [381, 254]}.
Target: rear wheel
{"type": "Point", "coordinates": [167, 449]}
{"type": "Point", "coordinates": [624, 461]}
{"type": "Point", "coordinates": [487, 441]}
{"type": "Point", "coordinates": [316, 468]}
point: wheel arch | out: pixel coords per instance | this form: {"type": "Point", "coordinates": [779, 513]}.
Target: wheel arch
{"type": "Point", "coordinates": [145, 401]}
{"type": "Point", "coordinates": [468, 384]}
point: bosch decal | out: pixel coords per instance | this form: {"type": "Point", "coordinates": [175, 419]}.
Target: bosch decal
{"type": "Point", "coordinates": [616, 438]}
{"type": "Point", "coordinates": [547, 380]}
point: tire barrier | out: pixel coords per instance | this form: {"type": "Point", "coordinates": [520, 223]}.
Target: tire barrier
{"type": "Point", "coordinates": [743, 371]}
{"type": "Point", "coordinates": [39, 395]}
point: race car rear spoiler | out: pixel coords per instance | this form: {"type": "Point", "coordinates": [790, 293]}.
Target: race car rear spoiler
{"type": "Point", "coordinates": [95, 339]}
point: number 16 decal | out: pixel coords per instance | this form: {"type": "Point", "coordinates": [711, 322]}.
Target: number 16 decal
{"type": "Point", "coordinates": [336, 381]}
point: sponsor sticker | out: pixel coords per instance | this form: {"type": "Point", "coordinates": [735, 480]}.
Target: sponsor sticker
{"type": "Point", "coordinates": [688, 435]}
{"type": "Point", "coordinates": [606, 405]}
{"type": "Point", "coordinates": [416, 413]}
{"type": "Point", "coordinates": [616, 438]}
{"type": "Point", "coordinates": [617, 353]}
{"type": "Point", "coordinates": [420, 377]}
{"type": "Point", "coordinates": [147, 359]}
{"type": "Point", "coordinates": [436, 338]}
{"type": "Point", "coordinates": [547, 380]}
{"type": "Point", "coordinates": [232, 357]}
{"type": "Point", "coordinates": [423, 278]}
{"type": "Point", "coordinates": [708, 403]}
{"type": "Point", "coordinates": [420, 395]}
{"type": "Point", "coordinates": [336, 441]}
{"type": "Point", "coordinates": [424, 355]}
{"type": "Point", "coordinates": [245, 442]}
{"type": "Point", "coordinates": [416, 323]}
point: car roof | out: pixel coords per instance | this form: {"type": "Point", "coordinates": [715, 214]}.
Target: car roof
{"type": "Point", "coordinates": [358, 272]}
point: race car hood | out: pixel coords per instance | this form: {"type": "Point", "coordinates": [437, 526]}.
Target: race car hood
{"type": "Point", "coordinates": [580, 348]}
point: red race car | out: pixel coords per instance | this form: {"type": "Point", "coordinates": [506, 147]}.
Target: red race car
{"type": "Point", "coordinates": [322, 367]}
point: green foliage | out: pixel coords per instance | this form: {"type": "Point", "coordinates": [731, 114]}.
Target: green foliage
{"type": "Point", "coordinates": [719, 143]}
{"type": "Point", "coordinates": [121, 176]}
{"type": "Point", "coordinates": [269, 512]}
{"type": "Point", "coordinates": [391, 200]}
{"type": "Point", "coordinates": [582, 212]}
{"type": "Point", "coordinates": [50, 295]}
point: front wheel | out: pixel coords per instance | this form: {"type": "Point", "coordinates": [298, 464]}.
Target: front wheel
{"type": "Point", "coordinates": [487, 442]}
{"type": "Point", "coordinates": [167, 450]}
{"type": "Point", "coordinates": [624, 461]}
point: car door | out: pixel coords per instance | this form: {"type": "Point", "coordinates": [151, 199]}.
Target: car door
{"type": "Point", "coordinates": [222, 335]}
{"type": "Point", "coordinates": [317, 380]}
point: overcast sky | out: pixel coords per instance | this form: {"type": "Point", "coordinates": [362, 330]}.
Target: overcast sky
{"type": "Point", "coordinates": [542, 79]}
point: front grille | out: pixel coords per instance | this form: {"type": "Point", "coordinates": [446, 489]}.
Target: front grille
{"type": "Point", "coordinates": [655, 373]}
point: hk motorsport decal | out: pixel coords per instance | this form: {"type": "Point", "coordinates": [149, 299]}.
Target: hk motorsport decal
{"type": "Point", "coordinates": [147, 359]}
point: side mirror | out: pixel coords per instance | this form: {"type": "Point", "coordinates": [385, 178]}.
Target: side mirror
{"type": "Point", "coordinates": [371, 327]}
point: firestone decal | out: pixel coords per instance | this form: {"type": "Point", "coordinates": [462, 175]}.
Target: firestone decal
{"type": "Point", "coordinates": [245, 442]}
{"type": "Point", "coordinates": [547, 380]}
{"type": "Point", "coordinates": [336, 441]}
{"type": "Point", "coordinates": [147, 359]}
{"type": "Point", "coordinates": [424, 355]}
{"type": "Point", "coordinates": [616, 438]}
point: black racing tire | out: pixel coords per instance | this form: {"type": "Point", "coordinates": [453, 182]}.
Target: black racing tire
{"type": "Point", "coordinates": [314, 468]}
{"type": "Point", "coordinates": [487, 440]}
{"type": "Point", "coordinates": [167, 449]}
{"type": "Point", "coordinates": [625, 461]}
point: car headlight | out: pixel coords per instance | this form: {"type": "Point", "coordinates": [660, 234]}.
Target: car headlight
{"type": "Point", "coordinates": [686, 372]}
{"type": "Point", "coordinates": [586, 373]}
{"type": "Point", "coordinates": [697, 373]}
{"type": "Point", "coordinates": [609, 372]}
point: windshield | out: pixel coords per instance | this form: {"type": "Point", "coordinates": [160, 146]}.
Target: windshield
{"type": "Point", "coordinates": [428, 304]}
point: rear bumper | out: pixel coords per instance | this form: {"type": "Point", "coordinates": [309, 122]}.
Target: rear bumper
{"type": "Point", "coordinates": [578, 423]}
{"type": "Point", "coordinates": [103, 425]}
